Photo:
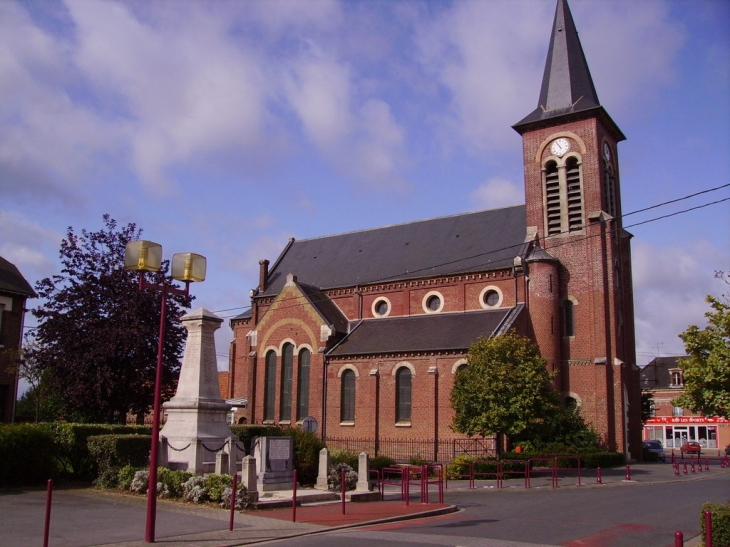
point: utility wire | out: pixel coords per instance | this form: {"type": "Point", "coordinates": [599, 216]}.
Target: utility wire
{"type": "Point", "coordinates": [493, 251]}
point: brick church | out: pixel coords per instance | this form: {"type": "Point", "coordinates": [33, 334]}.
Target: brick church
{"type": "Point", "coordinates": [364, 331]}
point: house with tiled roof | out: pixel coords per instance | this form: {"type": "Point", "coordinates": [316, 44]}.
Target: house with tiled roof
{"type": "Point", "coordinates": [14, 291]}
{"type": "Point", "coordinates": [364, 331]}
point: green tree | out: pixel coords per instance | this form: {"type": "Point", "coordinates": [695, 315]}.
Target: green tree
{"type": "Point", "coordinates": [97, 335]}
{"type": "Point", "coordinates": [647, 406]}
{"type": "Point", "coordinates": [706, 370]}
{"type": "Point", "coordinates": [504, 389]}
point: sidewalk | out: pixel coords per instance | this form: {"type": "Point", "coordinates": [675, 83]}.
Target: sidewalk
{"type": "Point", "coordinates": [90, 518]}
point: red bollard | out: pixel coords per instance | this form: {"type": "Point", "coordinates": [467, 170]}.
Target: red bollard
{"type": "Point", "coordinates": [294, 499]}
{"type": "Point", "coordinates": [628, 472]}
{"type": "Point", "coordinates": [342, 487]}
{"type": "Point", "coordinates": [708, 529]}
{"type": "Point", "coordinates": [707, 464]}
{"type": "Point", "coordinates": [676, 469]}
{"type": "Point", "coordinates": [49, 498]}
{"type": "Point", "coordinates": [692, 464]}
{"type": "Point", "coordinates": [599, 480]}
{"type": "Point", "coordinates": [233, 501]}
{"type": "Point", "coordinates": [685, 468]}
{"type": "Point", "coordinates": [679, 539]}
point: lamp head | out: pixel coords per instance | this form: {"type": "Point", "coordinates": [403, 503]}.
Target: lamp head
{"type": "Point", "coordinates": [188, 267]}
{"type": "Point", "coordinates": [143, 256]}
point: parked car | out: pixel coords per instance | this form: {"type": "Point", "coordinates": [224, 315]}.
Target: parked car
{"type": "Point", "coordinates": [691, 447]}
{"type": "Point", "coordinates": [657, 448]}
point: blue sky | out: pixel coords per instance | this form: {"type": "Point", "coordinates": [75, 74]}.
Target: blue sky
{"type": "Point", "coordinates": [225, 128]}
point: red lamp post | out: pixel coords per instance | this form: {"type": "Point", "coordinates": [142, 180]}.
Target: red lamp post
{"type": "Point", "coordinates": [146, 256]}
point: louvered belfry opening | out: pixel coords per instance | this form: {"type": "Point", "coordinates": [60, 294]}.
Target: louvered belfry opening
{"type": "Point", "coordinates": [552, 199]}
{"type": "Point", "coordinates": [574, 195]}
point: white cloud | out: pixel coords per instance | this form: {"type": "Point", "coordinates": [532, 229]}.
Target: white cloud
{"type": "Point", "coordinates": [28, 245]}
{"type": "Point", "coordinates": [490, 64]}
{"type": "Point", "coordinates": [497, 192]}
{"type": "Point", "coordinates": [670, 286]}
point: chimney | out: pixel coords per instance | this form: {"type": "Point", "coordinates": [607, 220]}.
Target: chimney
{"type": "Point", "coordinates": [263, 274]}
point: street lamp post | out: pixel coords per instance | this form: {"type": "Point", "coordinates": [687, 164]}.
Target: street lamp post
{"type": "Point", "coordinates": [145, 256]}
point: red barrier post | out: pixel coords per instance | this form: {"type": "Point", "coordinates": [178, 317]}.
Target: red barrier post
{"type": "Point", "coordinates": [685, 468]}
{"type": "Point", "coordinates": [676, 469]}
{"type": "Point", "coordinates": [707, 464]}
{"type": "Point", "coordinates": [692, 464]}
{"type": "Point", "coordinates": [424, 484]}
{"type": "Point", "coordinates": [679, 539]}
{"type": "Point", "coordinates": [407, 484]}
{"type": "Point", "coordinates": [233, 501]}
{"type": "Point", "coordinates": [628, 472]}
{"type": "Point", "coordinates": [599, 480]}
{"type": "Point", "coordinates": [342, 488]}
{"type": "Point", "coordinates": [49, 498]}
{"type": "Point", "coordinates": [294, 499]}
{"type": "Point", "coordinates": [708, 529]}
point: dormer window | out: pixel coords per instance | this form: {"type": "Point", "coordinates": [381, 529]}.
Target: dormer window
{"type": "Point", "coordinates": [677, 378]}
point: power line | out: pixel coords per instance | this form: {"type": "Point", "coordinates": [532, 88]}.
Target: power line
{"type": "Point", "coordinates": [494, 251]}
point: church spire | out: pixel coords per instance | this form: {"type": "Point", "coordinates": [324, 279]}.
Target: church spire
{"type": "Point", "coordinates": [567, 86]}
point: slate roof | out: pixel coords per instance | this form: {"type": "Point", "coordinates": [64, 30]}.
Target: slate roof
{"type": "Point", "coordinates": [655, 375]}
{"type": "Point", "coordinates": [326, 307]}
{"type": "Point", "coordinates": [567, 86]}
{"type": "Point", "coordinates": [437, 332]}
{"type": "Point", "coordinates": [479, 241]}
{"type": "Point", "coordinates": [11, 280]}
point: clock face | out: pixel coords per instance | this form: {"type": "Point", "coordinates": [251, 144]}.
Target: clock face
{"type": "Point", "coordinates": [606, 151]}
{"type": "Point", "coordinates": [560, 147]}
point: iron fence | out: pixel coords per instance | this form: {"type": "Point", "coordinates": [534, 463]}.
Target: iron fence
{"type": "Point", "coordinates": [405, 450]}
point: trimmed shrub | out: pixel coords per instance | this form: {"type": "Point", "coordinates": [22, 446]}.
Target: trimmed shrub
{"type": "Point", "coordinates": [346, 457]}
{"type": "Point", "coordinates": [720, 523]}
{"type": "Point", "coordinates": [72, 442]}
{"type": "Point", "coordinates": [172, 480]}
{"type": "Point", "coordinates": [126, 476]}
{"type": "Point", "coordinates": [246, 433]}
{"type": "Point", "coordinates": [27, 455]}
{"type": "Point", "coordinates": [306, 454]}
{"type": "Point", "coordinates": [380, 462]}
{"type": "Point", "coordinates": [112, 452]}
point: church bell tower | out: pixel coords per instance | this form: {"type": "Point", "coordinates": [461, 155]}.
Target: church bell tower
{"type": "Point", "coordinates": [573, 209]}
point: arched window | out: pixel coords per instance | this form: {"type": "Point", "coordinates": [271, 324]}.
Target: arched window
{"type": "Point", "coordinates": [403, 395]}
{"type": "Point", "coordinates": [270, 385]}
{"type": "Point", "coordinates": [563, 195]}
{"type": "Point", "coordinates": [303, 384]}
{"type": "Point", "coordinates": [287, 369]}
{"type": "Point", "coordinates": [568, 320]}
{"type": "Point", "coordinates": [347, 396]}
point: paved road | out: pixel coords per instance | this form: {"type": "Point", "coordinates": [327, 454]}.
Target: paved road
{"type": "Point", "coordinates": [629, 515]}
{"type": "Point", "coordinates": [644, 512]}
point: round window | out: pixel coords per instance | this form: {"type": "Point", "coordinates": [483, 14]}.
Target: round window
{"type": "Point", "coordinates": [491, 298]}
{"type": "Point", "coordinates": [381, 307]}
{"type": "Point", "coordinates": [433, 303]}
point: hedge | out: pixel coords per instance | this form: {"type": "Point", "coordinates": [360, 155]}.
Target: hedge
{"type": "Point", "coordinates": [27, 455]}
{"type": "Point", "coordinates": [72, 442]}
{"type": "Point", "coordinates": [112, 452]}
{"type": "Point", "coordinates": [720, 523]}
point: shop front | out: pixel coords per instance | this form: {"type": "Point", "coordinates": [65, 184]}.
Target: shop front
{"type": "Point", "coordinates": [673, 432]}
